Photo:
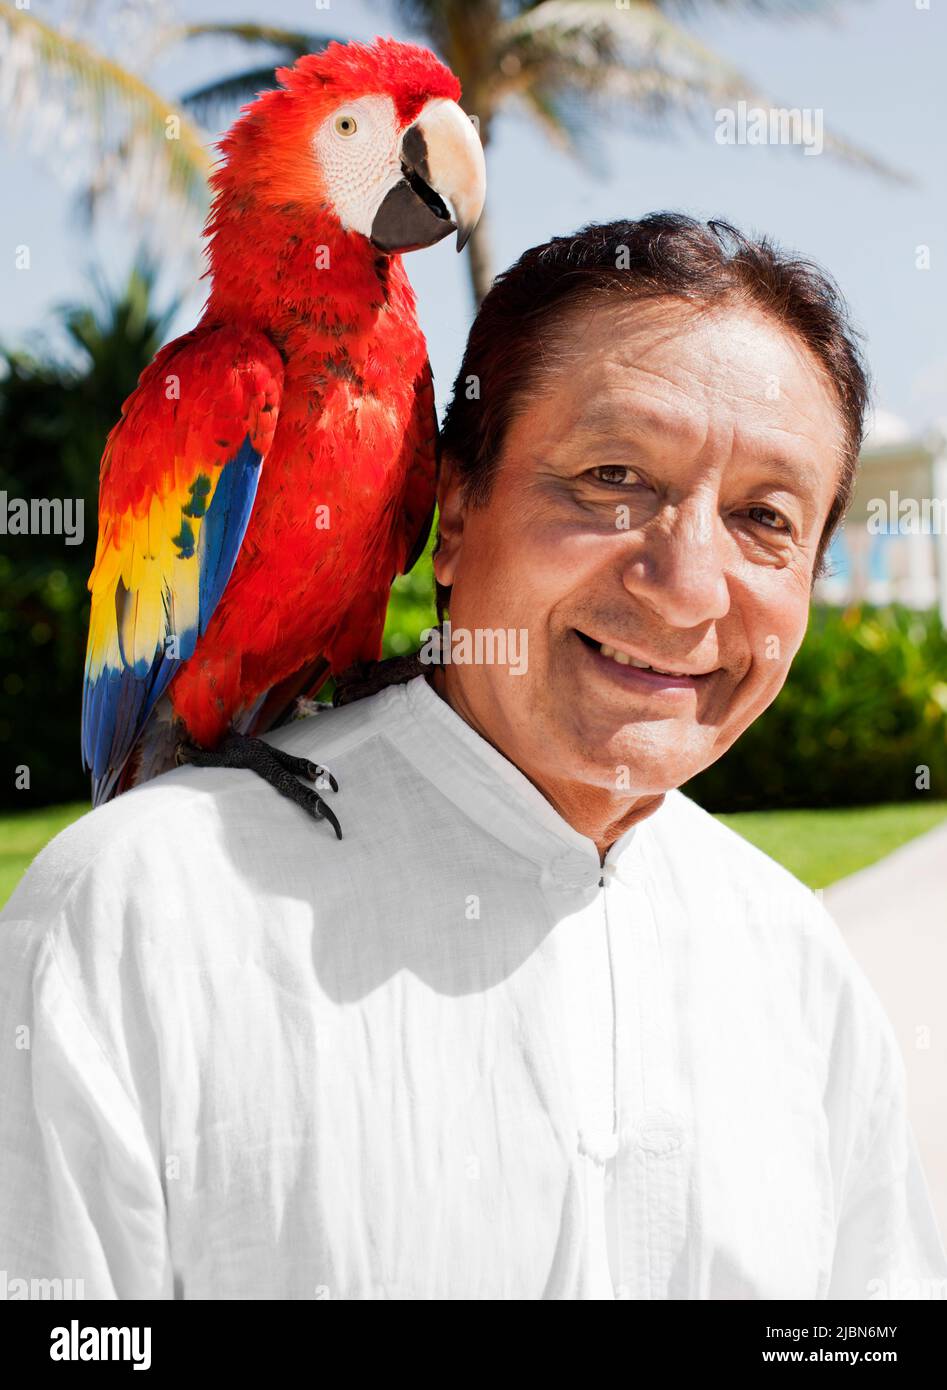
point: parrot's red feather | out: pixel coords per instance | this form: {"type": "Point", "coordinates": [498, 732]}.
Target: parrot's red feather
{"type": "Point", "coordinates": [409, 74]}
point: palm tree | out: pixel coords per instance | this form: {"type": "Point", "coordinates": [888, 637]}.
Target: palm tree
{"type": "Point", "coordinates": [563, 61]}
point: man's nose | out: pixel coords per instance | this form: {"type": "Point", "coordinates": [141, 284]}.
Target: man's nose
{"type": "Point", "coordinates": [678, 567]}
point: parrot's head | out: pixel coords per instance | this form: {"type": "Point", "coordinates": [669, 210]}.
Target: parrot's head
{"type": "Point", "coordinates": [368, 134]}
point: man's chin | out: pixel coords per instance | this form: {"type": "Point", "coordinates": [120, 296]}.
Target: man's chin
{"type": "Point", "coordinates": [629, 726]}
{"type": "Point", "coordinates": [627, 761]}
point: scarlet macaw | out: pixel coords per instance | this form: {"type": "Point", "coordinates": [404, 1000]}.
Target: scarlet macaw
{"type": "Point", "coordinates": [274, 469]}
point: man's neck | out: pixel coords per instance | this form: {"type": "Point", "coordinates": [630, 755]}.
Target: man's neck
{"type": "Point", "coordinates": [599, 814]}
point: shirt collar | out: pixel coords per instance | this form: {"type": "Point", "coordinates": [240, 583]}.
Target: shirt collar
{"type": "Point", "coordinates": [492, 791]}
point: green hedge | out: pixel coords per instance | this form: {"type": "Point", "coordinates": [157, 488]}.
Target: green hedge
{"type": "Point", "coordinates": [865, 706]}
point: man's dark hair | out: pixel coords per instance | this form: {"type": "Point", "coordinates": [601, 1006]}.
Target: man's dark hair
{"type": "Point", "coordinates": [664, 255]}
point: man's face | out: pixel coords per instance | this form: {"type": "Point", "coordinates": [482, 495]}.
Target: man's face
{"type": "Point", "coordinates": [662, 493]}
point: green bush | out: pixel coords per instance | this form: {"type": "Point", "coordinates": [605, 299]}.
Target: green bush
{"type": "Point", "coordinates": [411, 607]}
{"type": "Point", "coordinates": [865, 707]}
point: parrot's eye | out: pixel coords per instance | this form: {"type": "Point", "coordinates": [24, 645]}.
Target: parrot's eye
{"type": "Point", "coordinates": [346, 125]}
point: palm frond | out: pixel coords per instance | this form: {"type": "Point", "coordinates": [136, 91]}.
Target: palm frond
{"type": "Point", "coordinates": [770, 9]}
{"type": "Point", "coordinates": [127, 315]}
{"type": "Point", "coordinates": [636, 56]}
{"type": "Point", "coordinates": [439, 19]}
{"type": "Point", "coordinates": [214, 104]}
{"type": "Point", "coordinates": [767, 9]}
{"type": "Point", "coordinates": [295, 41]}
{"type": "Point", "coordinates": [107, 127]}
{"type": "Point", "coordinates": [548, 112]}
{"type": "Point", "coordinates": [571, 122]}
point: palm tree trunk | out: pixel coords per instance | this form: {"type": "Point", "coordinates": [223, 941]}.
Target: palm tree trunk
{"type": "Point", "coordinates": [480, 260]}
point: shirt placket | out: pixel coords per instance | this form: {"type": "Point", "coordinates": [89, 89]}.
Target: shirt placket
{"type": "Point", "coordinates": [587, 988]}
{"type": "Point", "coordinates": [647, 1193]}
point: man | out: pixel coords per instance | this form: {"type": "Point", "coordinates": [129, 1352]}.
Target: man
{"type": "Point", "coordinates": [538, 1026]}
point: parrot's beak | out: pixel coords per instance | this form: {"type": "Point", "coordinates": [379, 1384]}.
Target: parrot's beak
{"type": "Point", "coordinates": [443, 183]}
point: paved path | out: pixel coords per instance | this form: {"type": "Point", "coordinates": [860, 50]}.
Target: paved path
{"type": "Point", "coordinates": [893, 916]}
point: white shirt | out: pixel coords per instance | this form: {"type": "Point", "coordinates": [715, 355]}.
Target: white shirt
{"type": "Point", "coordinates": [449, 1057]}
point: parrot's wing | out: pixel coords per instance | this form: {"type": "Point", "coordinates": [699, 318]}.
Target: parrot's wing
{"type": "Point", "coordinates": [422, 445]}
{"type": "Point", "coordinates": [177, 484]}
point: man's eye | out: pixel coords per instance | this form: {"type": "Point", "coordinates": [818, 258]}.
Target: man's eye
{"type": "Point", "coordinates": [606, 473]}
{"type": "Point", "coordinates": [768, 518]}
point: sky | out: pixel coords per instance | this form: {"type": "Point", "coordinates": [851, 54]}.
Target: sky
{"type": "Point", "coordinates": [875, 69]}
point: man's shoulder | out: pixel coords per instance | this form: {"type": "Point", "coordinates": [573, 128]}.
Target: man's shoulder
{"type": "Point", "coordinates": [179, 819]}
{"type": "Point", "coordinates": [101, 851]}
{"type": "Point", "coordinates": [73, 877]}
{"type": "Point", "coordinates": [728, 872]}
{"type": "Point", "coordinates": [330, 731]}
{"type": "Point", "coordinates": [716, 843]}
{"type": "Point", "coordinates": [736, 882]}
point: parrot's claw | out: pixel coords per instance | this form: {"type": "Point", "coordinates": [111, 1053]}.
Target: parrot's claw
{"type": "Point", "coordinates": [275, 766]}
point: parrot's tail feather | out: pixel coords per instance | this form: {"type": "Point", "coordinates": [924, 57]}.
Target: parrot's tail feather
{"type": "Point", "coordinates": [157, 747]}
{"type": "Point", "coordinates": [106, 786]}
{"type": "Point", "coordinates": [153, 754]}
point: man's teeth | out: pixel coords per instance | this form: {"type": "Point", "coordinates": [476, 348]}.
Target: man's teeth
{"type": "Point", "coordinates": [624, 659]}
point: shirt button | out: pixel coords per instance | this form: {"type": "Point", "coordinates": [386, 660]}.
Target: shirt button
{"type": "Point", "coordinates": [631, 875]}
{"type": "Point", "coordinates": [657, 1132]}
{"type": "Point", "coordinates": [598, 1144]}
{"type": "Point", "coordinates": [574, 871]}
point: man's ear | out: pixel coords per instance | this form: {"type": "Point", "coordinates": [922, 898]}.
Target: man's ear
{"type": "Point", "coordinates": [451, 509]}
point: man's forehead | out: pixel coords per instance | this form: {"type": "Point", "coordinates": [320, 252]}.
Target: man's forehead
{"type": "Point", "coordinates": [638, 368]}
{"type": "Point", "coordinates": [667, 338]}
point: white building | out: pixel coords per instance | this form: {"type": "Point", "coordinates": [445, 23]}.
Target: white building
{"type": "Point", "coordinates": [893, 545]}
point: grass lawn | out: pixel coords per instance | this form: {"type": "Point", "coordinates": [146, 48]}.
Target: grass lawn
{"type": "Point", "coordinates": [24, 833]}
{"type": "Point", "coordinates": [822, 846]}
{"type": "Point", "coordinates": [817, 846]}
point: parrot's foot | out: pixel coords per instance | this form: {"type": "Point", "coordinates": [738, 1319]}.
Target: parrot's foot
{"type": "Point", "coordinates": [274, 766]}
{"type": "Point", "coordinates": [368, 677]}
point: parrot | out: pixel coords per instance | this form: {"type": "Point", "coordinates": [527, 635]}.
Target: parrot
{"type": "Point", "coordinates": [274, 469]}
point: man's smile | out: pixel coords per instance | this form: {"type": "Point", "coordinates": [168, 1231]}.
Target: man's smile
{"type": "Point", "coordinates": [637, 672]}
